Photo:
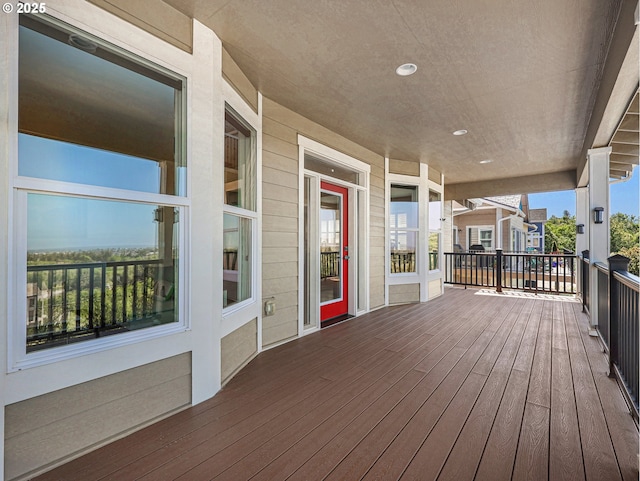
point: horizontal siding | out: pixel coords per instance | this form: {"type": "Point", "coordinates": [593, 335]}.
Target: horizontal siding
{"type": "Point", "coordinates": [155, 17]}
{"type": "Point", "coordinates": [435, 288]}
{"type": "Point", "coordinates": [404, 293]}
{"type": "Point", "coordinates": [404, 167]}
{"type": "Point", "coordinates": [53, 427]}
{"type": "Point", "coordinates": [238, 80]}
{"type": "Point", "coordinates": [435, 176]}
{"type": "Point", "coordinates": [238, 348]}
{"type": "Point", "coordinates": [280, 166]}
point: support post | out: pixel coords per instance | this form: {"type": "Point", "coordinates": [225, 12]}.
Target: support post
{"type": "Point", "coordinates": [616, 263]}
{"type": "Point", "coordinates": [598, 162]}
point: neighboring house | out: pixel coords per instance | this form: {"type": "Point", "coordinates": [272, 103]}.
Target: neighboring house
{"type": "Point", "coordinates": [535, 238]}
{"type": "Point", "coordinates": [491, 222]}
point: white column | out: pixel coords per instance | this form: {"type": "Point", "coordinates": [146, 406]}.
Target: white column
{"type": "Point", "coordinates": [598, 162]}
{"type": "Point", "coordinates": [582, 240]}
{"type": "Point", "coordinates": [423, 233]}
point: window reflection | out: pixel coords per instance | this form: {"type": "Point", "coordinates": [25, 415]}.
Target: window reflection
{"type": "Point", "coordinates": [239, 164]}
{"type": "Point", "coordinates": [403, 228]}
{"type": "Point", "coordinates": [236, 260]}
{"type": "Point", "coordinates": [98, 267]}
{"type": "Point", "coordinates": [96, 117]}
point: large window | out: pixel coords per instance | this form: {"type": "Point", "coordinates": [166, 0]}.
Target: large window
{"type": "Point", "coordinates": [240, 209]}
{"type": "Point", "coordinates": [403, 228]}
{"type": "Point", "coordinates": [101, 188]}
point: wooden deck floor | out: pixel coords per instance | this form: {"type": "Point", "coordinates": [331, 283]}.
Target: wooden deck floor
{"type": "Point", "coordinates": [468, 386]}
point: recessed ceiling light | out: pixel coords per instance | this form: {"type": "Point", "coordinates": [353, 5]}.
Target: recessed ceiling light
{"type": "Point", "coordinates": [486, 161]}
{"type": "Point", "coordinates": [460, 132]}
{"type": "Point", "coordinates": [406, 69]}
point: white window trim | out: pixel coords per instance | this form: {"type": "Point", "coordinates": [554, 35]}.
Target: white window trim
{"type": "Point", "coordinates": [482, 227]}
{"type": "Point", "coordinates": [404, 277]}
{"type": "Point", "coordinates": [241, 313]}
{"type": "Point", "coordinates": [165, 56]}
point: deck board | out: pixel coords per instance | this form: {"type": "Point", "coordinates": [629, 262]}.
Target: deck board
{"type": "Point", "coordinates": [467, 386]}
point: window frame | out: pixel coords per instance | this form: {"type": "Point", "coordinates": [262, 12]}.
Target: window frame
{"type": "Point", "coordinates": [437, 231]}
{"type": "Point", "coordinates": [416, 230]}
{"type": "Point", "coordinates": [240, 313]}
{"type": "Point", "coordinates": [21, 186]}
{"type": "Point", "coordinates": [481, 228]}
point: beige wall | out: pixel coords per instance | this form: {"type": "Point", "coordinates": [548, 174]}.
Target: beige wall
{"type": "Point", "coordinates": [281, 127]}
{"type": "Point", "coordinates": [238, 80]}
{"type": "Point", "coordinates": [474, 218]}
{"type": "Point", "coordinates": [155, 17]}
{"type": "Point", "coordinates": [404, 293]}
{"type": "Point", "coordinates": [238, 348]}
{"type": "Point", "coordinates": [54, 427]}
{"type": "Point", "coordinates": [435, 288]}
{"type": "Point", "coordinates": [404, 167]}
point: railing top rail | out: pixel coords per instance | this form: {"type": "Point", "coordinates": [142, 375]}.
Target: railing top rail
{"type": "Point", "coordinates": [520, 254]}
{"type": "Point", "coordinates": [601, 266]}
{"type": "Point", "coordinates": [86, 265]}
{"type": "Point", "coordinates": [628, 279]}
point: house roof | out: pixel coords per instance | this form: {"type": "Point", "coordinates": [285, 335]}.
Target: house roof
{"type": "Point", "coordinates": [513, 201]}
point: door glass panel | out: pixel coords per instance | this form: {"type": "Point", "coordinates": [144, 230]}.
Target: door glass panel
{"type": "Point", "coordinates": [330, 247]}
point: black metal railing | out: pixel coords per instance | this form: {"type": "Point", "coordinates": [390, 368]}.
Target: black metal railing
{"type": "Point", "coordinates": [470, 268]}
{"type": "Point", "coordinates": [402, 262]}
{"type": "Point", "coordinates": [551, 273]}
{"type": "Point", "coordinates": [602, 302]}
{"type": "Point", "coordinates": [72, 302]}
{"type": "Point", "coordinates": [623, 336]}
{"type": "Point", "coordinates": [329, 264]}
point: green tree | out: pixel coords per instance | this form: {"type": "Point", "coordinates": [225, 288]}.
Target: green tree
{"type": "Point", "coordinates": [560, 233]}
{"type": "Point", "coordinates": [625, 239]}
{"type": "Point", "coordinates": [625, 232]}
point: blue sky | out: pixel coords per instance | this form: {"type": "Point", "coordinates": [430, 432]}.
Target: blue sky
{"type": "Point", "coordinates": [624, 198]}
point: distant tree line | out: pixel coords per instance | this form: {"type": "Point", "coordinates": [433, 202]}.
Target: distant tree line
{"type": "Point", "coordinates": [91, 255]}
{"type": "Point", "coordinates": [560, 235]}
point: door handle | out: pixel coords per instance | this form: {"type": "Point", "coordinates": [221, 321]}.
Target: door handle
{"type": "Point", "coordinates": [346, 258]}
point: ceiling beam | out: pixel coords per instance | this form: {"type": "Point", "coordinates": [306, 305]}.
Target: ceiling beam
{"type": "Point", "coordinates": [529, 184]}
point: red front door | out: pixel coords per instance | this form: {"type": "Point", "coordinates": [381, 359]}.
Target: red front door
{"type": "Point", "coordinates": [334, 251]}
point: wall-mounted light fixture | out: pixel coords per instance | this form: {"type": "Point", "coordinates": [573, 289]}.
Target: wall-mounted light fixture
{"type": "Point", "coordinates": [579, 228]}
{"type": "Point", "coordinates": [598, 215]}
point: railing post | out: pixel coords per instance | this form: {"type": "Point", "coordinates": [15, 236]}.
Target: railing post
{"type": "Point", "coordinates": [616, 263]}
{"type": "Point", "coordinates": [584, 279]}
{"type": "Point", "coordinates": [499, 270]}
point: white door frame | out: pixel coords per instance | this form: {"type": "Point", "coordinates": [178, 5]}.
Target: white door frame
{"type": "Point", "coordinates": [358, 228]}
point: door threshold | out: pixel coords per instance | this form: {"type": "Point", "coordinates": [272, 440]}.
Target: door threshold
{"type": "Point", "coordinates": [335, 320]}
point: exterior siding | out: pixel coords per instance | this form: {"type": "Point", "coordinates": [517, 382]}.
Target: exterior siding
{"type": "Point", "coordinates": [238, 348]}
{"type": "Point", "coordinates": [280, 195]}
{"type": "Point", "coordinates": [482, 217]}
{"type": "Point", "coordinates": [238, 80]}
{"type": "Point", "coordinates": [155, 17]}
{"type": "Point", "coordinates": [404, 293]}
{"type": "Point", "coordinates": [53, 428]}
{"type": "Point", "coordinates": [404, 167]}
{"type": "Point", "coordinates": [435, 288]}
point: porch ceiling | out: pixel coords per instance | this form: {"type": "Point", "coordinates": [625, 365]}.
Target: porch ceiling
{"type": "Point", "coordinates": [522, 80]}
